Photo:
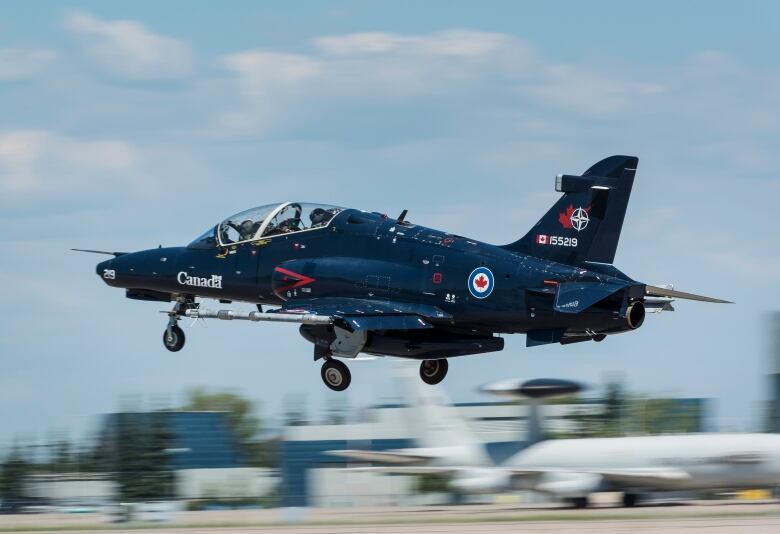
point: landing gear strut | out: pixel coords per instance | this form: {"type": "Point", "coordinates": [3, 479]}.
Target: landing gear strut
{"type": "Point", "coordinates": [433, 371]}
{"type": "Point", "coordinates": [336, 375]}
{"type": "Point", "coordinates": [173, 336]}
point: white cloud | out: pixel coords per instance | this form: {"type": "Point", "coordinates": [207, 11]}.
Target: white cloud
{"type": "Point", "coordinates": [454, 43]}
{"type": "Point", "coordinates": [268, 81]}
{"type": "Point", "coordinates": [128, 51]}
{"type": "Point", "coordinates": [390, 67]}
{"type": "Point", "coordinates": [39, 161]}
{"type": "Point", "coordinates": [18, 64]}
{"type": "Point", "coordinates": [260, 71]}
{"type": "Point", "coordinates": [582, 89]}
{"type": "Point", "coordinates": [746, 262]}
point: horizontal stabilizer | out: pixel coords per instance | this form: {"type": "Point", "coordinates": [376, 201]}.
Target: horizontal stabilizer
{"type": "Point", "coordinates": [574, 297]}
{"type": "Point", "coordinates": [654, 291]}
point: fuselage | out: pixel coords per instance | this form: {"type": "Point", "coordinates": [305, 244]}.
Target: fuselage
{"type": "Point", "coordinates": [369, 256]}
{"type": "Point", "coordinates": [712, 461]}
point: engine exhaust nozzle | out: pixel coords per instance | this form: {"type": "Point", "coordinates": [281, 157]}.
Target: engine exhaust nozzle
{"type": "Point", "coordinates": [635, 314]}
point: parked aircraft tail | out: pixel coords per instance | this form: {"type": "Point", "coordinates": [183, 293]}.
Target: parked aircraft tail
{"type": "Point", "coordinates": [437, 424]}
{"type": "Point", "coordinates": [585, 223]}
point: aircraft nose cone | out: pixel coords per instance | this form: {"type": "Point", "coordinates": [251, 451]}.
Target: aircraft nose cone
{"type": "Point", "coordinates": [104, 270]}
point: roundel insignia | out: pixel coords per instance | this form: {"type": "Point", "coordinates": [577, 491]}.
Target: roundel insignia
{"type": "Point", "coordinates": [481, 282]}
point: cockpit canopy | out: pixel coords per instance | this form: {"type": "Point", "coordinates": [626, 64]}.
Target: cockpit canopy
{"type": "Point", "coordinates": [267, 222]}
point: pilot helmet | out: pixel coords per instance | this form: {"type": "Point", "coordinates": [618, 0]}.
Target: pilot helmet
{"type": "Point", "coordinates": [246, 226]}
{"type": "Point", "coordinates": [318, 215]}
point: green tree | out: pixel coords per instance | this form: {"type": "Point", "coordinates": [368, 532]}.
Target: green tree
{"type": "Point", "coordinates": [432, 483]}
{"type": "Point", "coordinates": [663, 416]}
{"type": "Point", "coordinates": [12, 474]}
{"type": "Point", "coordinates": [295, 410]}
{"type": "Point", "coordinates": [614, 407]}
{"type": "Point", "coordinates": [336, 410]}
{"type": "Point", "coordinates": [245, 424]}
{"type": "Point", "coordinates": [140, 456]}
{"type": "Point", "coordinates": [62, 457]}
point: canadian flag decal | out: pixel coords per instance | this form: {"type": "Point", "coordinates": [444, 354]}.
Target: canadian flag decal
{"type": "Point", "coordinates": [541, 239]}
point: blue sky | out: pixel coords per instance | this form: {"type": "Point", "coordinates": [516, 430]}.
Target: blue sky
{"type": "Point", "coordinates": [125, 126]}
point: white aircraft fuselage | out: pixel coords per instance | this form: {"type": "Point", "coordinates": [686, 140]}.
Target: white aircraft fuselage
{"type": "Point", "coordinates": [711, 461]}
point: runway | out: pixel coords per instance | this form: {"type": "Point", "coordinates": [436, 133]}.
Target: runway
{"type": "Point", "coordinates": [703, 516]}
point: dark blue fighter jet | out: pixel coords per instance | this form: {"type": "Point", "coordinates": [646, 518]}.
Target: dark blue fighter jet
{"type": "Point", "coordinates": [363, 282]}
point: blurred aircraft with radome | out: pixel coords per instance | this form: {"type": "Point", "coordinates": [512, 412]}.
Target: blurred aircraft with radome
{"type": "Point", "coordinates": [571, 469]}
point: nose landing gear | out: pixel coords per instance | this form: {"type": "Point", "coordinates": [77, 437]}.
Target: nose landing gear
{"type": "Point", "coordinates": [336, 375]}
{"type": "Point", "coordinates": [173, 336]}
{"type": "Point", "coordinates": [433, 371]}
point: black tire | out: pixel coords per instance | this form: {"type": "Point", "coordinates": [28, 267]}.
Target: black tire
{"type": "Point", "coordinates": [336, 375]}
{"type": "Point", "coordinates": [433, 371]}
{"type": "Point", "coordinates": [579, 502]}
{"type": "Point", "coordinates": [630, 500]}
{"type": "Point", "coordinates": [174, 340]}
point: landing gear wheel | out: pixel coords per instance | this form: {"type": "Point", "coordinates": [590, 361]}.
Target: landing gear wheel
{"type": "Point", "coordinates": [630, 499]}
{"type": "Point", "coordinates": [433, 371]}
{"type": "Point", "coordinates": [336, 375]}
{"type": "Point", "coordinates": [173, 338]}
{"type": "Point", "coordinates": [579, 502]}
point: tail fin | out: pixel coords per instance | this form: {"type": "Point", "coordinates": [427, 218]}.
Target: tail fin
{"type": "Point", "coordinates": [436, 423]}
{"type": "Point", "coordinates": [535, 431]}
{"type": "Point", "coordinates": [585, 223]}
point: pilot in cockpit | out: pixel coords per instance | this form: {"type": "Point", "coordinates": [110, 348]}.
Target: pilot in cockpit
{"type": "Point", "coordinates": [320, 217]}
{"type": "Point", "coordinates": [290, 217]}
{"type": "Point", "coordinates": [246, 230]}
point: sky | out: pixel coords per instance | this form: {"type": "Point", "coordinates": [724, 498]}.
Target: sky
{"type": "Point", "coordinates": [128, 125]}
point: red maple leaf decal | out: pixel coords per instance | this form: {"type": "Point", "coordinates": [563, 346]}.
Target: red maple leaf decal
{"type": "Point", "coordinates": [481, 281]}
{"type": "Point", "coordinates": [565, 217]}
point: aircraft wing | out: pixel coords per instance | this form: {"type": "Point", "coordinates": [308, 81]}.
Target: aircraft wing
{"type": "Point", "coordinates": [655, 291]}
{"type": "Point", "coordinates": [352, 314]}
{"type": "Point", "coordinates": [367, 314]}
{"type": "Point", "coordinates": [643, 476]}
{"type": "Point", "coordinates": [650, 477]}
{"type": "Point", "coordinates": [407, 456]}
{"type": "Point", "coordinates": [411, 469]}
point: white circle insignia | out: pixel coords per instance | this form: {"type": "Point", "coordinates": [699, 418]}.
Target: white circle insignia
{"type": "Point", "coordinates": [579, 219]}
{"type": "Point", "coordinates": [481, 282]}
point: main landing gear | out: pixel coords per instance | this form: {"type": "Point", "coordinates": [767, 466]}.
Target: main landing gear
{"type": "Point", "coordinates": [336, 375]}
{"type": "Point", "coordinates": [433, 371]}
{"type": "Point", "coordinates": [630, 500]}
{"type": "Point", "coordinates": [578, 502]}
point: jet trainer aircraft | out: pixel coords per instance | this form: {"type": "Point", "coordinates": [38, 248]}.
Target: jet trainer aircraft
{"type": "Point", "coordinates": [361, 282]}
